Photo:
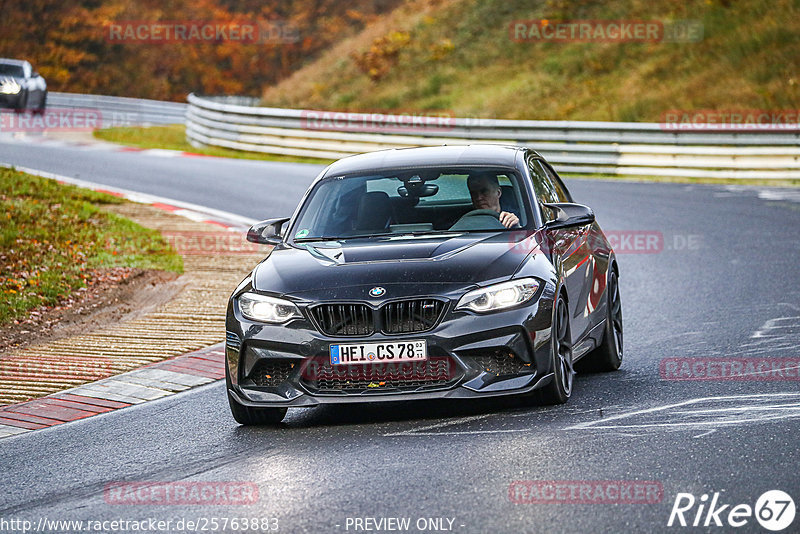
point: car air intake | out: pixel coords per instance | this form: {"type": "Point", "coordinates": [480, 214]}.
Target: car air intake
{"type": "Point", "coordinates": [499, 362]}
{"type": "Point", "coordinates": [344, 319]}
{"type": "Point", "coordinates": [411, 315]}
{"type": "Point", "coordinates": [320, 376]}
{"type": "Point", "coordinates": [271, 373]}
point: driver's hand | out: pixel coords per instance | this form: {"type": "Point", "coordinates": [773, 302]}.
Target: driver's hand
{"type": "Point", "coordinates": [508, 219]}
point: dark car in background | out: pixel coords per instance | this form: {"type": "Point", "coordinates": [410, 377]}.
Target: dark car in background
{"type": "Point", "coordinates": [393, 281]}
{"type": "Point", "coordinates": [21, 87]}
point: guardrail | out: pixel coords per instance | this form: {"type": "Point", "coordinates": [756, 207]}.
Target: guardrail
{"type": "Point", "coordinates": [121, 111]}
{"type": "Point", "coordinates": [621, 148]}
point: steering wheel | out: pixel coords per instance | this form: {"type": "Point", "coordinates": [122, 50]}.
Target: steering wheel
{"type": "Point", "coordinates": [479, 220]}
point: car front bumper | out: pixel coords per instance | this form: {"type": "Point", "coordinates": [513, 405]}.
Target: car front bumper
{"type": "Point", "coordinates": [470, 355]}
{"type": "Point", "coordinates": [12, 101]}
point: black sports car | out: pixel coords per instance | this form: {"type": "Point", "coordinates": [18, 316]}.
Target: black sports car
{"type": "Point", "coordinates": [21, 88]}
{"type": "Point", "coordinates": [424, 273]}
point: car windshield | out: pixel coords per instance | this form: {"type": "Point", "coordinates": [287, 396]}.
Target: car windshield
{"type": "Point", "coordinates": [7, 69]}
{"type": "Point", "coordinates": [421, 201]}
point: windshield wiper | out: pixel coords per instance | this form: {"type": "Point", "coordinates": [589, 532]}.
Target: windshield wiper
{"type": "Point", "coordinates": [340, 238]}
{"type": "Point", "coordinates": [323, 238]}
{"type": "Point", "coordinates": [385, 234]}
{"type": "Point", "coordinates": [427, 232]}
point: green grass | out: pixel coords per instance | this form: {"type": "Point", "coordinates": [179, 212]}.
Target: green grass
{"type": "Point", "coordinates": [747, 59]}
{"type": "Point", "coordinates": [53, 236]}
{"type": "Point", "coordinates": [173, 137]}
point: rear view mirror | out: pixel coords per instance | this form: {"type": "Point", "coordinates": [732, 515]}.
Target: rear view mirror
{"type": "Point", "coordinates": [417, 190]}
{"type": "Point", "coordinates": [267, 232]}
{"type": "Point", "coordinates": [568, 215]}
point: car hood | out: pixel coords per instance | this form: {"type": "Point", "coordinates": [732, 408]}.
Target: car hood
{"type": "Point", "coordinates": [404, 265]}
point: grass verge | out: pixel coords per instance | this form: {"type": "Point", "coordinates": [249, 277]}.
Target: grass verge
{"type": "Point", "coordinates": [54, 238]}
{"type": "Point", "coordinates": [173, 137]}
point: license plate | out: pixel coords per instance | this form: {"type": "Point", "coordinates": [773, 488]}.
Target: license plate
{"type": "Point", "coordinates": [393, 351]}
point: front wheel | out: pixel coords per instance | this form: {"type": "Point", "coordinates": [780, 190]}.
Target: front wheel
{"type": "Point", "coordinates": [42, 105]}
{"type": "Point", "coordinates": [559, 389]}
{"type": "Point", "coordinates": [22, 104]}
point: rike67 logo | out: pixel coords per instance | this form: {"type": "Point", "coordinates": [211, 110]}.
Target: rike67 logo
{"type": "Point", "coordinates": [774, 510]}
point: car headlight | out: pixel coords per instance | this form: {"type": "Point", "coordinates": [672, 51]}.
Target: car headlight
{"type": "Point", "coordinates": [499, 296]}
{"type": "Point", "coordinates": [267, 309]}
{"type": "Point", "coordinates": [10, 87]}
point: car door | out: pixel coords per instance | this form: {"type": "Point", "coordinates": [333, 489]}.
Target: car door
{"type": "Point", "coordinates": [38, 87]}
{"type": "Point", "coordinates": [571, 247]}
{"type": "Point", "coordinates": [29, 85]}
{"type": "Point", "coordinates": [596, 253]}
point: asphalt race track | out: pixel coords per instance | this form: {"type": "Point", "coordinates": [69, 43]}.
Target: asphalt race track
{"type": "Point", "coordinates": [718, 280]}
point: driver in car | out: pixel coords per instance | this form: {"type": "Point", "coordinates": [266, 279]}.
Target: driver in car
{"type": "Point", "coordinates": [484, 188]}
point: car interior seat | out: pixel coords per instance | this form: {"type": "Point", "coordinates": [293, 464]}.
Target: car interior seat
{"type": "Point", "coordinates": [374, 211]}
{"type": "Point", "coordinates": [508, 200]}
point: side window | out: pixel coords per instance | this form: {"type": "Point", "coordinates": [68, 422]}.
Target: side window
{"type": "Point", "coordinates": [561, 191]}
{"type": "Point", "coordinates": [542, 184]}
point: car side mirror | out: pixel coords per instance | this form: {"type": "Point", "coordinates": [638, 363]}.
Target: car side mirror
{"type": "Point", "coordinates": [267, 232]}
{"type": "Point", "coordinates": [568, 215]}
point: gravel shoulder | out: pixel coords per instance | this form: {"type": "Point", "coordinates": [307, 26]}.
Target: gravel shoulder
{"type": "Point", "coordinates": [134, 319]}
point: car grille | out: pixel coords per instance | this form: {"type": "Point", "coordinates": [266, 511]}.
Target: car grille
{"type": "Point", "coordinates": [500, 362]}
{"type": "Point", "coordinates": [320, 376]}
{"type": "Point", "coordinates": [399, 317]}
{"type": "Point", "coordinates": [271, 373]}
{"type": "Point", "coordinates": [344, 319]}
{"type": "Point", "coordinates": [411, 315]}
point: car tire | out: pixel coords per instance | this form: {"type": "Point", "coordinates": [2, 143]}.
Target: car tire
{"type": "Point", "coordinates": [248, 416]}
{"type": "Point", "coordinates": [42, 105]}
{"type": "Point", "coordinates": [23, 103]}
{"type": "Point", "coordinates": [608, 355]}
{"type": "Point", "coordinates": [559, 389]}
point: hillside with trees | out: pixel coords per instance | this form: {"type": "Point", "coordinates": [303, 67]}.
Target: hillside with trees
{"type": "Point", "coordinates": [71, 44]}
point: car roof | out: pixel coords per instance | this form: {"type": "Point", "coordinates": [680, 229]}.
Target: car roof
{"type": "Point", "coordinates": [445, 155]}
{"type": "Point", "coordinates": [8, 61]}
